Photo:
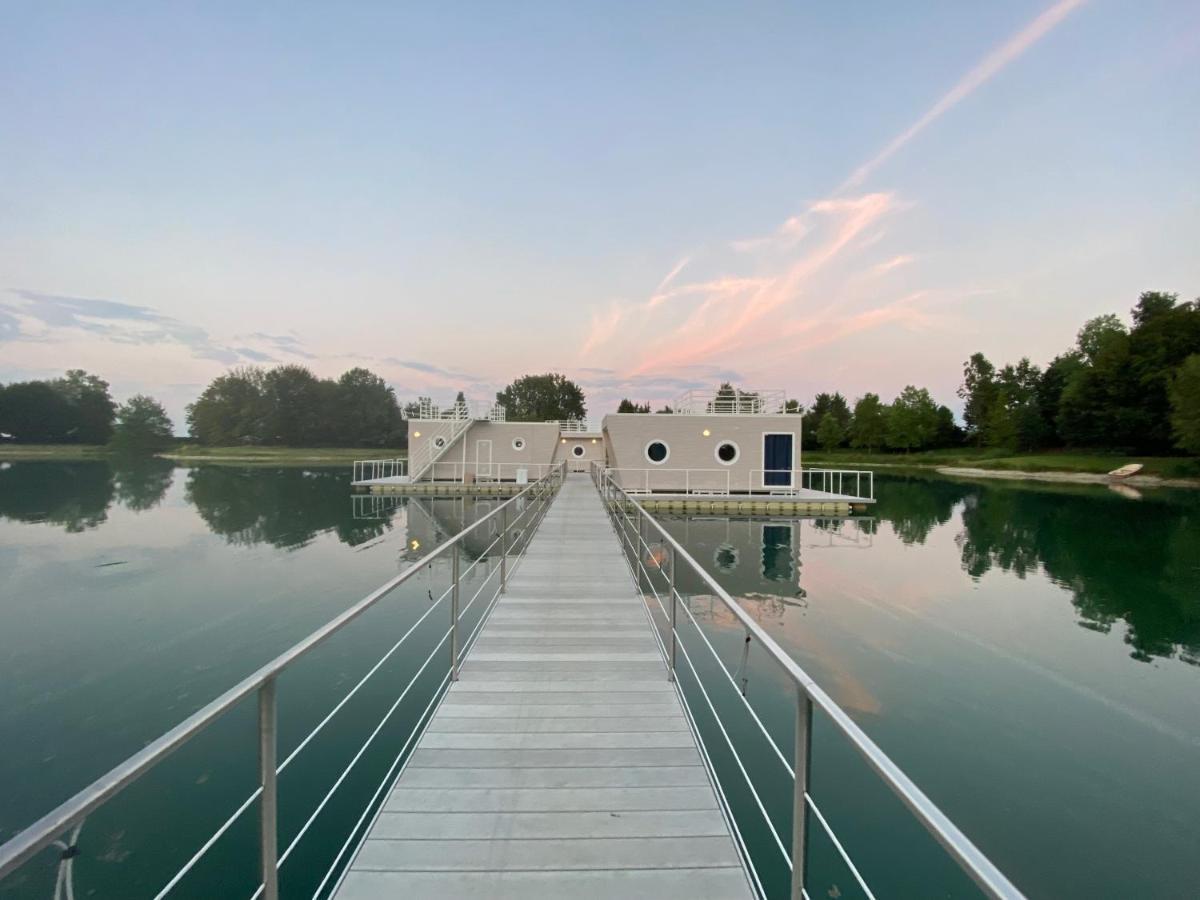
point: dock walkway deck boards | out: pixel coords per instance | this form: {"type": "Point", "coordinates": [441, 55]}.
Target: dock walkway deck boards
{"type": "Point", "coordinates": [560, 764]}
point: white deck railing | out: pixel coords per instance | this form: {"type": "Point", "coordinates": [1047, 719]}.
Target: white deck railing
{"type": "Point", "coordinates": [373, 469]}
{"type": "Point", "coordinates": [850, 485]}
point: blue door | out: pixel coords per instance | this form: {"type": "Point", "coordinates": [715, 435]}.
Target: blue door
{"type": "Point", "coordinates": [777, 460]}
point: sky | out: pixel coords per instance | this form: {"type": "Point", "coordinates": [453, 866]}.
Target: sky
{"type": "Point", "coordinates": [648, 197]}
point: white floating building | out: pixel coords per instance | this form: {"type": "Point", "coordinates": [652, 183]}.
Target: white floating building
{"type": "Point", "coordinates": [725, 447]}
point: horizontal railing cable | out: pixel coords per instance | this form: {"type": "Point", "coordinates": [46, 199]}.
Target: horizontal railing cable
{"type": "Point", "coordinates": [746, 703]}
{"type": "Point", "coordinates": [437, 694]}
{"type": "Point", "coordinates": [969, 858]}
{"type": "Point", "coordinates": [812, 804]}
{"type": "Point", "coordinates": [207, 845]}
{"type": "Point", "coordinates": [710, 771]}
{"type": "Point", "coordinates": [361, 750]}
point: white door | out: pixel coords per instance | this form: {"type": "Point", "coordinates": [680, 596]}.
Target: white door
{"type": "Point", "coordinates": [483, 459]}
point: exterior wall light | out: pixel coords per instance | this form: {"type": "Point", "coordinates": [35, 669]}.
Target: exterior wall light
{"type": "Point", "coordinates": [564, 440]}
{"type": "Point", "coordinates": [416, 434]}
{"type": "Point", "coordinates": [706, 433]}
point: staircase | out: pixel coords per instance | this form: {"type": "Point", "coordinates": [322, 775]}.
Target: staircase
{"type": "Point", "coordinates": [421, 462]}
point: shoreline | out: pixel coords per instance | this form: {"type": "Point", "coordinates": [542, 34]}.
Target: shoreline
{"type": "Point", "coordinates": [1149, 481]}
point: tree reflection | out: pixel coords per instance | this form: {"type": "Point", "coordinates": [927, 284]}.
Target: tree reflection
{"type": "Point", "coordinates": [915, 505]}
{"type": "Point", "coordinates": [75, 495]}
{"type": "Point", "coordinates": [142, 481]}
{"type": "Point", "coordinates": [283, 507]}
{"type": "Point", "coordinates": [1121, 560]}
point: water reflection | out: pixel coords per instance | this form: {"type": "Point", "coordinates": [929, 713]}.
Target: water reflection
{"type": "Point", "coordinates": [1122, 560]}
{"type": "Point", "coordinates": [282, 507]}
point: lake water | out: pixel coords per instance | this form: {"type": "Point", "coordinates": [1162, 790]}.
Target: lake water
{"type": "Point", "coordinates": [1029, 655]}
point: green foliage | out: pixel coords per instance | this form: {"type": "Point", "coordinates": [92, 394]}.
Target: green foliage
{"type": "Point", "coordinates": [1098, 333]}
{"type": "Point", "coordinates": [830, 433]}
{"type": "Point", "coordinates": [289, 406]}
{"type": "Point", "coordinates": [868, 430]}
{"type": "Point", "coordinates": [979, 394]}
{"type": "Point", "coordinates": [143, 426]}
{"type": "Point", "coordinates": [1110, 391]}
{"type": "Point", "coordinates": [541, 398]}
{"type": "Point", "coordinates": [912, 420]}
{"type": "Point", "coordinates": [628, 406]}
{"type": "Point", "coordinates": [74, 409]}
{"type": "Point", "coordinates": [1185, 405]}
{"type": "Point", "coordinates": [825, 405]}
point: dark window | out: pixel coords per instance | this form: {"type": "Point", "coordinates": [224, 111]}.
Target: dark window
{"type": "Point", "coordinates": [727, 453]}
{"type": "Point", "coordinates": [656, 452]}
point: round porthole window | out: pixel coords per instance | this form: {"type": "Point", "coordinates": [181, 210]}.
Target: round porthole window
{"type": "Point", "coordinates": [439, 441]}
{"type": "Point", "coordinates": [657, 452]}
{"type": "Point", "coordinates": [577, 450]}
{"type": "Point", "coordinates": [518, 443]}
{"type": "Point", "coordinates": [727, 453]}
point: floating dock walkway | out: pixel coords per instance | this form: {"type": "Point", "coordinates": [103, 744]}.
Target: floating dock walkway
{"type": "Point", "coordinates": [560, 763]}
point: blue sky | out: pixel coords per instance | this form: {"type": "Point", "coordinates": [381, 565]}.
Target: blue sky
{"type": "Point", "coordinates": [648, 197]}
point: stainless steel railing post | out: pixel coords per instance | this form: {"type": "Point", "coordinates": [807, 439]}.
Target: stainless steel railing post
{"type": "Point", "coordinates": [454, 612]}
{"type": "Point", "coordinates": [801, 764]}
{"type": "Point", "coordinates": [269, 802]}
{"type": "Point", "coordinates": [503, 548]}
{"type": "Point", "coordinates": [671, 562]}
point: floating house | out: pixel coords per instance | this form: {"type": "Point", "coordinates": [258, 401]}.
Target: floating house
{"type": "Point", "coordinates": [724, 447]}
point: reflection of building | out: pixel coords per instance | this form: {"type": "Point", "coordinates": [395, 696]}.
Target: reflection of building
{"type": "Point", "coordinates": [759, 558]}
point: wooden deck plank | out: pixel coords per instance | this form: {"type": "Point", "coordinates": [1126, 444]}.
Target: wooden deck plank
{"type": "Point", "coordinates": [560, 764]}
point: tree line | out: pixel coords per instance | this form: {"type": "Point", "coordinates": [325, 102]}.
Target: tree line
{"type": "Point", "coordinates": [1133, 388]}
{"type": "Point", "coordinates": [79, 409]}
{"type": "Point", "coordinates": [1129, 388]}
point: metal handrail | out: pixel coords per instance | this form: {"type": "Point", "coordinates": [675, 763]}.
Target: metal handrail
{"type": "Point", "coordinates": [43, 832]}
{"type": "Point", "coordinates": [847, 484]}
{"type": "Point", "coordinates": [809, 694]}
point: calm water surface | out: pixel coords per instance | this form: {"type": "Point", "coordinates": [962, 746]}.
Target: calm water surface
{"type": "Point", "coordinates": [1029, 655]}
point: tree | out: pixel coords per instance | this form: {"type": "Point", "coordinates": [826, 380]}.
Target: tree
{"type": "Point", "coordinates": [94, 409]}
{"type": "Point", "coordinates": [947, 433]}
{"type": "Point", "coordinates": [293, 399]}
{"type": "Point", "coordinates": [143, 426]}
{"type": "Point", "coordinates": [231, 410]}
{"type": "Point", "coordinates": [830, 434]}
{"type": "Point", "coordinates": [628, 406]}
{"type": "Point", "coordinates": [1097, 333]}
{"type": "Point", "coordinates": [1185, 405]}
{"type": "Point", "coordinates": [542, 398]}
{"type": "Point", "coordinates": [33, 412]}
{"type": "Point", "coordinates": [1050, 390]}
{"type": "Point", "coordinates": [823, 405]}
{"type": "Point", "coordinates": [979, 393]}
{"type": "Point", "coordinates": [868, 428]}
{"type": "Point", "coordinates": [367, 413]}
{"type": "Point", "coordinates": [912, 420]}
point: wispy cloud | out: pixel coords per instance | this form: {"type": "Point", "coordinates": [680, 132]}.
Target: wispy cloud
{"type": "Point", "coordinates": [285, 343]}
{"type": "Point", "coordinates": [811, 276]}
{"type": "Point", "coordinates": [53, 316]}
{"type": "Point", "coordinates": [983, 72]}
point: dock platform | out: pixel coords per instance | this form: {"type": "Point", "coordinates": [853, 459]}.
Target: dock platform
{"type": "Point", "coordinates": [560, 764]}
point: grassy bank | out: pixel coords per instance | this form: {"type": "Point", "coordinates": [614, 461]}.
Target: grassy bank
{"type": "Point", "coordinates": [1006, 461]}
{"type": "Point", "coordinates": [280, 456]}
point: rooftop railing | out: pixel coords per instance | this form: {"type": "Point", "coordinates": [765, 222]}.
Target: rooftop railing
{"type": "Point", "coordinates": [662, 561]}
{"type": "Point", "coordinates": [733, 401]}
{"type": "Point", "coordinates": [517, 517]}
